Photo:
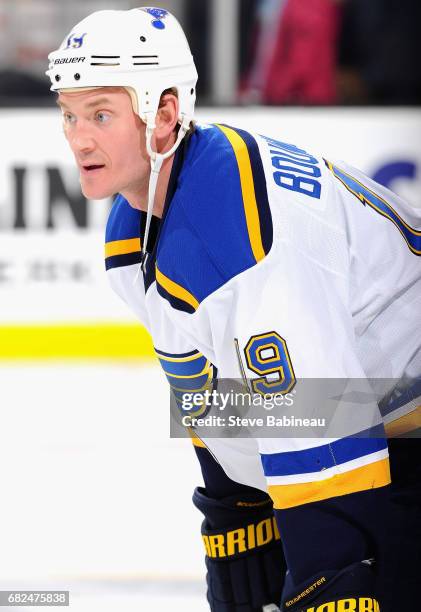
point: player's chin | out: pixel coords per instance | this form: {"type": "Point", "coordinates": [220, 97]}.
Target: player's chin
{"type": "Point", "coordinates": [94, 190]}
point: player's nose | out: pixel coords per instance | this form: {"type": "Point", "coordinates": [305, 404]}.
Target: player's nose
{"type": "Point", "coordinates": [81, 139]}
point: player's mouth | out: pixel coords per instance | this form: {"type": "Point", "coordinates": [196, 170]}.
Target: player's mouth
{"type": "Point", "coordinates": [91, 168]}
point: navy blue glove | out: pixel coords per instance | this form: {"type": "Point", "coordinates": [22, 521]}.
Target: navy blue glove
{"type": "Point", "coordinates": [244, 557]}
{"type": "Point", "coordinates": [349, 590]}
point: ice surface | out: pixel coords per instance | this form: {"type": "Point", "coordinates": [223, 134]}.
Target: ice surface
{"type": "Point", "coordinates": [95, 495]}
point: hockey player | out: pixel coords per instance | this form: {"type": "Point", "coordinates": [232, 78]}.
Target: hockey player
{"type": "Point", "coordinates": [244, 254]}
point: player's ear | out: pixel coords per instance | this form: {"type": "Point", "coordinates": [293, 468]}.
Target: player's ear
{"type": "Point", "coordinates": [167, 116]}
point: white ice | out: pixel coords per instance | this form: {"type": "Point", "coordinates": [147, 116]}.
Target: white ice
{"type": "Point", "coordinates": [95, 496]}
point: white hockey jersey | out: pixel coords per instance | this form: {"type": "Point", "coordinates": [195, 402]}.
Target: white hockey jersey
{"type": "Point", "coordinates": [307, 267]}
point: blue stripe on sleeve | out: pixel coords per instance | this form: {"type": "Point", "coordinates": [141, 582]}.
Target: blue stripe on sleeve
{"type": "Point", "coordinates": [190, 367]}
{"type": "Point", "coordinates": [325, 456]}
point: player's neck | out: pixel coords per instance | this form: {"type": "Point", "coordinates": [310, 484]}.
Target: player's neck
{"type": "Point", "coordinates": [139, 198]}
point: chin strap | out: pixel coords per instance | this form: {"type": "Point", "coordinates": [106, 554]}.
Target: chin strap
{"type": "Point", "coordinates": [156, 164]}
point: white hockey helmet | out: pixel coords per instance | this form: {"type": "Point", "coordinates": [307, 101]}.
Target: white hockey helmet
{"type": "Point", "coordinates": [144, 49]}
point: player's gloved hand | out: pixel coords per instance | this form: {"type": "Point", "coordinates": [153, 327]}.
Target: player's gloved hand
{"type": "Point", "coordinates": [244, 558]}
{"type": "Point", "coordinates": [349, 590]}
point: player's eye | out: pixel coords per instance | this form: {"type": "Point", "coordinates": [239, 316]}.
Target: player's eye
{"type": "Point", "coordinates": [102, 117]}
{"type": "Point", "coordinates": [68, 117]}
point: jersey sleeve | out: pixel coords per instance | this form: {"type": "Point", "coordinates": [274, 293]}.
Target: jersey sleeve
{"type": "Point", "coordinates": [122, 256]}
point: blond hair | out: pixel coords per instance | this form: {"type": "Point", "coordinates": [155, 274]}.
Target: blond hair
{"type": "Point", "coordinates": [130, 91]}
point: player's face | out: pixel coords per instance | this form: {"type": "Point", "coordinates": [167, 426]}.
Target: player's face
{"type": "Point", "coordinates": [107, 139]}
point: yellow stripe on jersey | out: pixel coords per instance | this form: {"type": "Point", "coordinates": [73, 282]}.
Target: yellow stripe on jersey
{"type": "Point", "coordinates": [365, 195]}
{"type": "Point", "coordinates": [176, 290]}
{"type": "Point", "coordinates": [371, 476]}
{"type": "Point", "coordinates": [404, 424]}
{"type": "Point", "coordinates": [247, 189]}
{"type": "Point", "coordinates": [195, 440]}
{"type": "Point", "coordinates": [122, 247]}
{"type": "Point", "coordinates": [207, 368]}
{"type": "Point", "coordinates": [165, 357]}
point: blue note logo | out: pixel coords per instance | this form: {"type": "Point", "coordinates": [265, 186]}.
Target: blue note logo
{"type": "Point", "coordinates": [75, 42]}
{"type": "Point", "coordinates": [159, 15]}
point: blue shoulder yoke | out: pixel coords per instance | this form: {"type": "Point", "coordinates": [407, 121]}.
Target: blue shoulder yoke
{"type": "Point", "coordinates": [219, 222]}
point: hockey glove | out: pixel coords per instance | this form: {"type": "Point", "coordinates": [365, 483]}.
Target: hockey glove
{"type": "Point", "coordinates": [244, 558]}
{"type": "Point", "coordinates": [349, 590]}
